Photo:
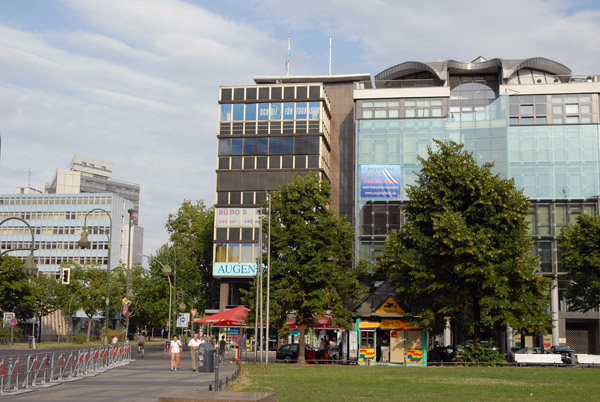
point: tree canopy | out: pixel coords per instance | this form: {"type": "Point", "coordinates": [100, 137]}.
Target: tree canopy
{"type": "Point", "coordinates": [311, 256]}
{"type": "Point", "coordinates": [191, 231]}
{"type": "Point", "coordinates": [579, 246]}
{"type": "Point", "coordinates": [15, 291]}
{"type": "Point", "coordinates": [463, 251]}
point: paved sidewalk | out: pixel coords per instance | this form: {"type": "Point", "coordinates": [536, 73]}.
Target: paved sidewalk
{"type": "Point", "coordinates": [144, 379]}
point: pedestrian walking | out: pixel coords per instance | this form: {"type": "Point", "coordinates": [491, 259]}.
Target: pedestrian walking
{"type": "Point", "coordinates": [114, 342]}
{"type": "Point", "coordinates": [194, 344]}
{"type": "Point", "coordinates": [175, 352]}
{"type": "Point", "coordinates": [222, 347]}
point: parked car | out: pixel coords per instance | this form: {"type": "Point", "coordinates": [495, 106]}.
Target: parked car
{"type": "Point", "coordinates": [529, 351]}
{"type": "Point", "coordinates": [564, 351]}
{"type": "Point", "coordinates": [289, 353]}
{"type": "Point", "coordinates": [443, 354]}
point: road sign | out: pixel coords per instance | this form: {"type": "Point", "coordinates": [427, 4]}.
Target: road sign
{"type": "Point", "coordinates": [125, 309]}
{"type": "Point", "coordinates": [13, 321]}
{"type": "Point", "coordinates": [126, 301]}
{"type": "Point", "coordinates": [193, 312]}
{"type": "Point", "coordinates": [8, 317]}
{"type": "Point", "coordinates": [183, 320]}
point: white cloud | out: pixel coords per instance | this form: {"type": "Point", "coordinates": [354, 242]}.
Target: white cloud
{"type": "Point", "coordinates": [136, 82]}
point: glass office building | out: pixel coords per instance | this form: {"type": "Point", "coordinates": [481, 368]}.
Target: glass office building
{"type": "Point", "coordinates": [536, 121]}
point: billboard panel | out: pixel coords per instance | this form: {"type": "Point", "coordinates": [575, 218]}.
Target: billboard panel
{"type": "Point", "coordinates": [380, 181]}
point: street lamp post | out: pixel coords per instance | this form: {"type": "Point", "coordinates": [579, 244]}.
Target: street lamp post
{"type": "Point", "coordinates": [166, 269]}
{"type": "Point", "coordinates": [128, 278]}
{"type": "Point", "coordinates": [29, 267]}
{"type": "Point", "coordinates": [85, 243]}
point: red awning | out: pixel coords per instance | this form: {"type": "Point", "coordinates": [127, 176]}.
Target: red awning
{"type": "Point", "coordinates": [231, 318]}
{"type": "Point", "coordinates": [321, 322]}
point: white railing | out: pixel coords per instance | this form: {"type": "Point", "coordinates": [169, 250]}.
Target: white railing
{"type": "Point", "coordinates": [20, 373]}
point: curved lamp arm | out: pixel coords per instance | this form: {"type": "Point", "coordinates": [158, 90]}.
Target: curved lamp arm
{"type": "Point", "coordinates": [29, 267]}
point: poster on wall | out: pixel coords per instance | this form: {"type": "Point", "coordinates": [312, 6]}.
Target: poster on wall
{"type": "Point", "coordinates": [353, 345]}
{"type": "Point", "coordinates": [380, 181]}
{"type": "Point", "coordinates": [237, 217]}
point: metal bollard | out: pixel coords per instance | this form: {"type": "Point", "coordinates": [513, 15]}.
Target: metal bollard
{"type": "Point", "coordinates": [216, 365]}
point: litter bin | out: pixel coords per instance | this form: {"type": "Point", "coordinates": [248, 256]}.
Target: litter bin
{"type": "Point", "coordinates": [206, 357]}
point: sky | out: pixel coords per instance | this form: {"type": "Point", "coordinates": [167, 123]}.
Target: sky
{"type": "Point", "coordinates": [135, 82]}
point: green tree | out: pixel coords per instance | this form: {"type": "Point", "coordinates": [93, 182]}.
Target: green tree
{"type": "Point", "coordinates": [464, 251]}
{"type": "Point", "coordinates": [311, 257]}
{"type": "Point", "coordinates": [15, 292]}
{"type": "Point", "coordinates": [579, 246]}
{"type": "Point", "coordinates": [153, 294]}
{"type": "Point", "coordinates": [47, 295]}
{"type": "Point", "coordinates": [191, 231]}
{"type": "Point", "coordinates": [87, 291]}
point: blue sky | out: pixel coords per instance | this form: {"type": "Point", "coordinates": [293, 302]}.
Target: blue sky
{"type": "Point", "coordinates": [136, 82]}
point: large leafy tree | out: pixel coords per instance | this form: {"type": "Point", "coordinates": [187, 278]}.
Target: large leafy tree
{"type": "Point", "coordinates": [191, 231]}
{"type": "Point", "coordinates": [579, 246]}
{"type": "Point", "coordinates": [47, 295]}
{"type": "Point", "coordinates": [15, 292]}
{"type": "Point", "coordinates": [87, 291]}
{"type": "Point", "coordinates": [152, 300]}
{"type": "Point", "coordinates": [153, 295]}
{"type": "Point", "coordinates": [464, 251]}
{"type": "Point", "coordinates": [311, 257]}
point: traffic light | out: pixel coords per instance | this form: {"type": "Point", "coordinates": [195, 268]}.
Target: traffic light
{"type": "Point", "coordinates": [65, 278]}
{"type": "Point", "coordinates": [180, 296]}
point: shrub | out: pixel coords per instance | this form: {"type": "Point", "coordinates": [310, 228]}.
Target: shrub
{"type": "Point", "coordinates": [5, 334]}
{"type": "Point", "coordinates": [79, 338]}
{"type": "Point", "coordinates": [478, 353]}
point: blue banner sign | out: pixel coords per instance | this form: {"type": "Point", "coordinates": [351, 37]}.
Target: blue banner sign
{"type": "Point", "coordinates": [380, 181]}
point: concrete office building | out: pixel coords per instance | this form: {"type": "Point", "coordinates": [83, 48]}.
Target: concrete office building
{"type": "Point", "coordinates": [57, 221]}
{"type": "Point", "coordinates": [268, 133]}
{"type": "Point", "coordinates": [87, 175]}
{"type": "Point", "coordinates": [533, 118]}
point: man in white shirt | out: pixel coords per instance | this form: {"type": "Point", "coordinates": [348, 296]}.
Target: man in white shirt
{"type": "Point", "coordinates": [193, 344]}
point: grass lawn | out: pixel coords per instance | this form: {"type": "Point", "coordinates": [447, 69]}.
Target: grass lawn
{"type": "Point", "coordinates": [292, 382]}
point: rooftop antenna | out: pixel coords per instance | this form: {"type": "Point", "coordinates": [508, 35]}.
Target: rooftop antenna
{"type": "Point", "coordinates": [330, 55]}
{"type": "Point", "coordinates": [287, 63]}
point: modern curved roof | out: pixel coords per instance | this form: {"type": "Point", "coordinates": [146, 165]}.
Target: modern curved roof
{"type": "Point", "coordinates": [441, 69]}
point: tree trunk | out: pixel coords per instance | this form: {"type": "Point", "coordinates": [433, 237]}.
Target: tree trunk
{"type": "Point", "coordinates": [301, 346]}
{"type": "Point", "coordinates": [89, 328]}
{"type": "Point", "coordinates": [476, 320]}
